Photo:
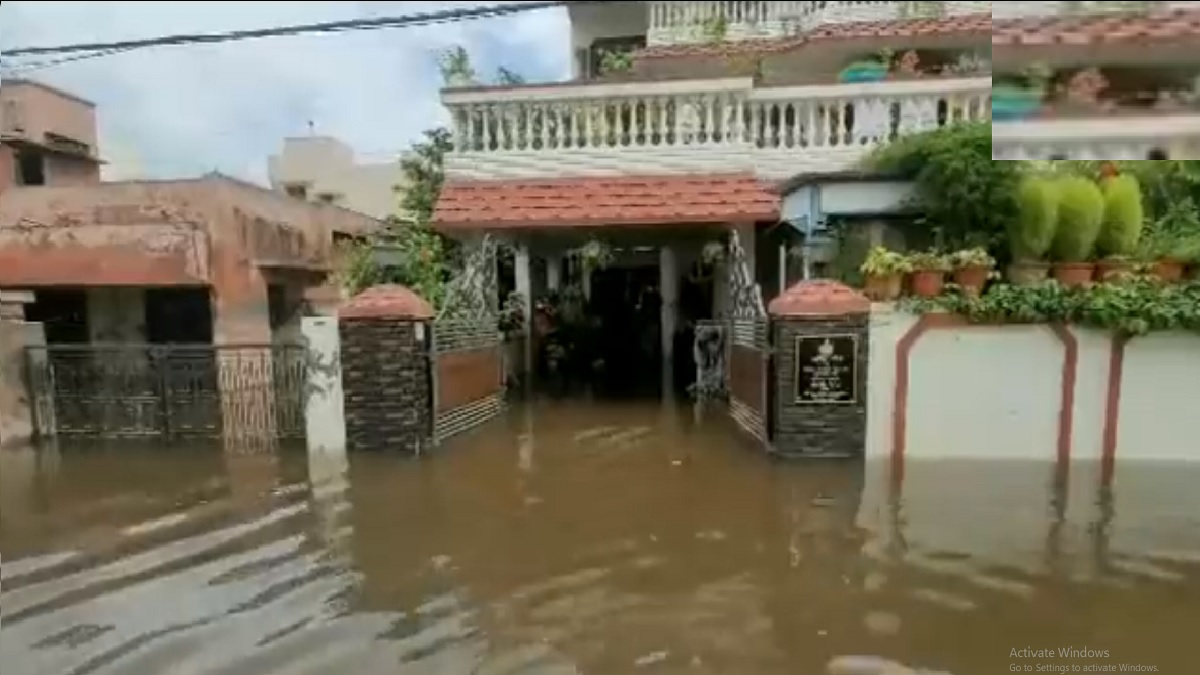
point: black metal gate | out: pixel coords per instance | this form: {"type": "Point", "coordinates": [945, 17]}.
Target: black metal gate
{"type": "Point", "coordinates": [168, 391]}
{"type": "Point", "coordinates": [749, 363]}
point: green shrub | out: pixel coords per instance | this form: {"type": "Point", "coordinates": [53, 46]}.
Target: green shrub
{"type": "Point", "coordinates": [1124, 217]}
{"type": "Point", "coordinates": [1080, 215]}
{"type": "Point", "coordinates": [1032, 231]}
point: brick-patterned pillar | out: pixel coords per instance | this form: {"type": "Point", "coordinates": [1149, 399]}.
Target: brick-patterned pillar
{"type": "Point", "coordinates": [820, 399]}
{"type": "Point", "coordinates": [384, 334]}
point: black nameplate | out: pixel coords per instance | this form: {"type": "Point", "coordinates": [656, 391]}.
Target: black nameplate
{"type": "Point", "coordinates": [827, 369]}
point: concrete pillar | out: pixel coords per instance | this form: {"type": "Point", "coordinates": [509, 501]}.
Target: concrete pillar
{"type": "Point", "coordinates": [16, 336]}
{"type": "Point", "coordinates": [553, 272]}
{"type": "Point", "coordinates": [324, 405]}
{"type": "Point", "coordinates": [821, 331]}
{"type": "Point", "coordinates": [523, 282]}
{"type": "Point", "coordinates": [668, 288]}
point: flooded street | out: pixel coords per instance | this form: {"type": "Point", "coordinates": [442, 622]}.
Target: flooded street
{"type": "Point", "coordinates": [584, 538]}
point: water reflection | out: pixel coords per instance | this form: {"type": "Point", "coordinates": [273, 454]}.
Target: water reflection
{"type": "Point", "coordinates": [582, 538]}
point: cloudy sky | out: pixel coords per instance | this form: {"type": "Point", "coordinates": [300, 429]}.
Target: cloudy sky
{"type": "Point", "coordinates": [181, 111]}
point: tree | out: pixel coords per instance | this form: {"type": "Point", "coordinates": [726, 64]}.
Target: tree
{"type": "Point", "coordinates": [424, 174]}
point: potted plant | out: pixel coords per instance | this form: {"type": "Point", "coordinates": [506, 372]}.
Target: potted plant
{"type": "Point", "coordinates": [871, 69]}
{"type": "Point", "coordinates": [884, 272]}
{"type": "Point", "coordinates": [1080, 215]}
{"type": "Point", "coordinates": [1032, 232]}
{"type": "Point", "coordinates": [455, 64]}
{"type": "Point", "coordinates": [1121, 228]}
{"type": "Point", "coordinates": [972, 267]}
{"type": "Point", "coordinates": [1173, 240]}
{"type": "Point", "coordinates": [1021, 97]}
{"type": "Point", "coordinates": [928, 273]}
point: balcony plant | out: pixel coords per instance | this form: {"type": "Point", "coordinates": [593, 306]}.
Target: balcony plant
{"type": "Point", "coordinates": [884, 272]}
{"type": "Point", "coordinates": [615, 62]}
{"type": "Point", "coordinates": [869, 69]}
{"type": "Point", "coordinates": [1121, 229]}
{"type": "Point", "coordinates": [1021, 97]}
{"type": "Point", "coordinates": [1080, 216]}
{"type": "Point", "coordinates": [455, 64]}
{"type": "Point", "coordinates": [928, 276]}
{"type": "Point", "coordinates": [972, 267]}
{"type": "Point", "coordinates": [1172, 242]}
{"type": "Point", "coordinates": [969, 64]}
{"type": "Point", "coordinates": [1032, 232]}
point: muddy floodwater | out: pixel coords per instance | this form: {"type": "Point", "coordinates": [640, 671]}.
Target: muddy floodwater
{"type": "Point", "coordinates": [587, 538]}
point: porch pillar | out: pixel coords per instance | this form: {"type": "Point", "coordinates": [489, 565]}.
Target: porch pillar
{"type": "Point", "coordinates": [523, 281]}
{"type": "Point", "coordinates": [553, 272]}
{"type": "Point", "coordinates": [668, 288]}
{"type": "Point", "coordinates": [524, 284]}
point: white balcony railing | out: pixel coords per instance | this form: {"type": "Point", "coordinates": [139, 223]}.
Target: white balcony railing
{"type": "Point", "coordinates": [682, 22]}
{"type": "Point", "coordinates": [1132, 138]}
{"type": "Point", "coordinates": [694, 126]}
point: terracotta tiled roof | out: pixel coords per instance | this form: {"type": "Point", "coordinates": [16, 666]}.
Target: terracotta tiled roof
{"type": "Point", "coordinates": [594, 201]}
{"type": "Point", "coordinates": [390, 301]}
{"type": "Point", "coordinates": [1096, 29]}
{"type": "Point", "coordinates": [819, 298]}
{"type": "Point", "coordinates": [950, 25]}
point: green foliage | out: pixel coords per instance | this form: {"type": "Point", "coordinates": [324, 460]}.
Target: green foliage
{"type": "Point", "coordinates": [1080, 214]}
{"type": "Point", "coordinates": [929, 261]}
{"type": "Point", "coordinates": [968, 200]}
{"type": "Point", "coordinates": [615, 61]}
{"type": "Point", "coordinates": [714, 29]}
{"type": "Point", "coordinates": [1124, 217]}
{"type": "Point", "coordinates": [455, 64]}
{"type": "Point", "coordinates": [971, 257]}
{"type": "Point", "coordinates": [1127, 308]}
{"type": "Point", "coordinates": [881, 262]}
{"type": "Point", "coordinates": [416, 256]}
{"type": "Point", "coordinates": [593, 255]}
{"type": "Point", "coordinates": [508, 78]}
{"type": "Point", "coordinates": [1032, 232]}
{"type": "Point", "coordinates": [1175, 235]}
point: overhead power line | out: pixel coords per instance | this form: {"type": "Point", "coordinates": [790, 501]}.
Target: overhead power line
{"type": "Point", "coordinates": [422, 19]}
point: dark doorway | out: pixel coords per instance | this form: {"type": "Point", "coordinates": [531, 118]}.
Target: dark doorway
{"type": "Point", "coordinates": [178, 316]}
{"type": "Point", "coordinates": [63, 314]}
{"type": "Point", "coordinates": [627, 345]}
{"type": "Point", "coordinates": [31, 168]}
{"type": "Point", "coordinates": [695, 304]}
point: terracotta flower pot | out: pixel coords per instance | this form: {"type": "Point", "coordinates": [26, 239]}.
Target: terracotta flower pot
{"type": "Point", "coordinates": [1113, 270]}
{"type": "Point", "coordinates": [927, 283]}
{"type": "Point", "coordinates": [1028, 273]}
{"type": "Point", "coordinates": [1170, 271]}
{"type": "Point", "coordinates": [1074, 275]}
{"type": "Point", "coordinates": [883, 288]}
{"type": "Point", "coordinates": [971, 279]}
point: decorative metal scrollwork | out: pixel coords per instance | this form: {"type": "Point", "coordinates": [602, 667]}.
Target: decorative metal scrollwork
{"type": "Point", "coordinates": [471, 296]}
{"type": "Point", "coordinates": [744, 293]}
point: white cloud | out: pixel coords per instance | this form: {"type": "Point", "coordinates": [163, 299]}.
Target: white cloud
{"type": "Point", "coordinates": [180, 111]}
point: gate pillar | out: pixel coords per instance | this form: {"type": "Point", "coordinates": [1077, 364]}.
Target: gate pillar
{"type": "Point", "coordinates": [821, 350]}
{"type": "Point", "coordinates": [17, 423]}
{"type": "Point", "coordinates": [324, 400]}
{"type": "Point", "coordinates": [384, 332]}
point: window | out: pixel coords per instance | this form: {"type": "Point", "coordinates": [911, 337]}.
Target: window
{"type": "Point", "coordinates": [297, 191]}
{"type": "Point", "coordinates": [31, 168]}
{"type": "Point", "coordinates": [591, 57]}
{"type": "Point", "coordinates": [329, 198]}
{"type": "Point", "coordinates": [1157, 153]}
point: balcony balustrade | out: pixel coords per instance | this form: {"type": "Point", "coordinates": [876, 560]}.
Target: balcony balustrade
{"type": "Point", "coordinates": [723, 126]}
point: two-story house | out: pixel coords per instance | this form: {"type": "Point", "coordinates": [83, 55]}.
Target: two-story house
{"type": "Point", "coordinates": [1096, 80]}
{"type": "Point", "coordinates": [325, 169]}
{"type": "Point", "coordinates": [680, 121]}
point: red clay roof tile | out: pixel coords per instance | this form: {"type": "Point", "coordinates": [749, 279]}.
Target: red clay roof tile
{"type": "Point", "coordinates": [1096, 29]}
{"type": "Point", "coordinates": [594, 201]}
{"type": "Point", "coordinates": [819, 297]}
{"type": "Point", "coordinates": [387, 301]}
{"type": "Point", "coordinates": [950, 25]}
